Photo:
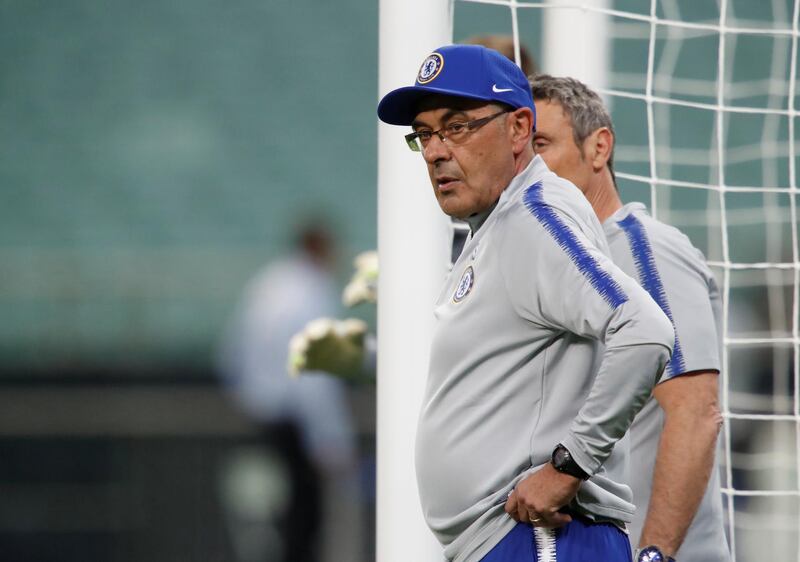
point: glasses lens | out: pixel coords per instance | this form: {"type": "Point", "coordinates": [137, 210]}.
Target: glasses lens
{"type": "Point", "coordinates": [413, 142]}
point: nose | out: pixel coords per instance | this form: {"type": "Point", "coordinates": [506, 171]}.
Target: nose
{"type": "Point", "coordinates": [436, 149]}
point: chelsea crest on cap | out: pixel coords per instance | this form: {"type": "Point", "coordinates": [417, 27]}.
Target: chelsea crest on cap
{"type": "Point", "coordinates": [464, 71]}
{"type": "Point", "coordinates": [430, 68]}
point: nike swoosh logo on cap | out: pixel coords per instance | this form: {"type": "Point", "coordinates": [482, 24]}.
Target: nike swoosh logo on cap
{"type": "Point", "coordinates": [497, 90]}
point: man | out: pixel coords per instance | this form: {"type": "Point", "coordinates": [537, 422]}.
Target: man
{"type": "Point", "coordinates": [342, 347]}
{"type": "Point", "coordinates": [308, 449]}
{"type": "Point", "coordinates": [575, 138]}
{"type": "Point", "coordinates": [523, 407]}
{"type": "Point", "coordinates": [505, 45]}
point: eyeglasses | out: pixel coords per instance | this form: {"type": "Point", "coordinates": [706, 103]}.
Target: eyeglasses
{"type": "Point", "coordinates": [453, 133]}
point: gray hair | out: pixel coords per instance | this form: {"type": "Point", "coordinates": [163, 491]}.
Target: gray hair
{"type": "Point", "coordinates": [580, 103]}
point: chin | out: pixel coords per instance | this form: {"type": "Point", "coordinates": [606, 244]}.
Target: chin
{"type": "Point", "coordinates": [450, 207]}
{"type": "Point", "coordinates": [452, 212]}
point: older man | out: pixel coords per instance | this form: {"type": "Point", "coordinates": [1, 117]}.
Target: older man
{"type": "Point", "coordinates": [673, 470]}
{"type": "Point", "coordinates": [543, 349]}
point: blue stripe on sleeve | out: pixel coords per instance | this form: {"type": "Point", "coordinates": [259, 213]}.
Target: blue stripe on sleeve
{"type": "Point", "coordinates": [651, 281]}
{"type": "Point", "coordinates": [601, 280]}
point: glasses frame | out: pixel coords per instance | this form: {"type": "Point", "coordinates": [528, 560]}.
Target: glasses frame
{"type": "Point", "coordinates": [413, 142]}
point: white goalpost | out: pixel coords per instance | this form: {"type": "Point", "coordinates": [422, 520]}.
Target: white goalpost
{"type": "Point", "coordinates": [412, 245]}
{"type": "Point", "coordinates": [705, 100]}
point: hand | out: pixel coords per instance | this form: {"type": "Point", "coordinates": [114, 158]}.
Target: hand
{"type": "Point", "coordinates": [333, 346]}
{"type": "Point", "coordinates": [538, 498]}
{"type": "Point", "coordinates": [363, 286]}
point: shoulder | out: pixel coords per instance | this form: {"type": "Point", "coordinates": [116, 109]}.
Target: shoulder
{"type": "Point", "coordinates": [676, 275]}
{"type": "Point", "coordinates": [554, 204]}
{"type": "Point", "coordinates": [634, 230]}
{"type": "Point", "coordinates": [550, 190]}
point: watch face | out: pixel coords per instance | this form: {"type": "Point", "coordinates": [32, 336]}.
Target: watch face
{"type": "Point", "coordinates": [651, 554]}
{"type": "Point", "coordinates": [562, 460]}
{"type": "Point", "coordinates": [560, 457]}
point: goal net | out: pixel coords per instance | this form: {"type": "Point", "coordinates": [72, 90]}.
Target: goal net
{"type": "Point", "coordinates": [703, 94]}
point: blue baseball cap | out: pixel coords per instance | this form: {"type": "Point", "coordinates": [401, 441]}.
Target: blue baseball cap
{"type": "Point", "coordinates": [465, 71]}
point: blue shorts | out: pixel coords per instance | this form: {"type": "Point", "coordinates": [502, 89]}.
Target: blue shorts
{"type": "Point", "coordinates": [578, 541]}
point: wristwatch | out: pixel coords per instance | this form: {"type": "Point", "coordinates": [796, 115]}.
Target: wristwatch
{"type": "Point", "coordinates": [651, 554]}
{"type": "Point", "coordinates": [563, 462]}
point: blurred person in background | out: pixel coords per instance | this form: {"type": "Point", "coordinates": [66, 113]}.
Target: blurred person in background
{"type": "Point", "coordinates": [504, 44]}
{"type": "Point", "coordinates": [298, 491]}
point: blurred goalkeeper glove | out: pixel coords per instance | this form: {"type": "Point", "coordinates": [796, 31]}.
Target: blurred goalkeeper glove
{"type": "Point", "coordinates": [334, 346]}
{"type": "Point", "coordinates": [363, 286]}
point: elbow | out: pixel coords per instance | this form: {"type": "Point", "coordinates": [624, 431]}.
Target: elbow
{"type": "Point", "coordinates": [707, 420]}
{"type": "Point", "coordinates": [708, 424]}
{"type": "Point", "coordinates": [713, 418]}
{"type": "Point", "coordinates": [661, 336]}
{"type": "Point", "coordinates": [654, 327]}
{"type": "Point", "coordinates": [697, 410]}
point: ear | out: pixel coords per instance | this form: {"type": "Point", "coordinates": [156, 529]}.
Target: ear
{"type": "Point", "coordinates": [520, 129]}
{"type": "Point", "coordinates": [600, 145]}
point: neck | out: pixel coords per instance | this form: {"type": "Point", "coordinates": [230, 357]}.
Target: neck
{"type": "Point", "coordinates": [475, 221]}
{"type": "Point", "coordinates": [603, 196]}
{"type": "Point", "coordinates": [522, 161]}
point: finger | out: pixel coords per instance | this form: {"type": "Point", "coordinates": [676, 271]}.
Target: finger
{"type": "Point", "coordinates": [511, 506]}
{"type": "Point", "coordinates": [536, 519]}
{"type": "Point", "coordinates": [552, 520]}
{"type": "Point", "coordinates": [522, 513]}
{"type": "Point", "coordinates": [511, 502]}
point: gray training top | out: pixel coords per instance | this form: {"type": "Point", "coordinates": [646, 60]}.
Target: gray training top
{"type": "Point", "coordinates": [676, 275]}
{"type": "Point", "coordinates": [520, 327]}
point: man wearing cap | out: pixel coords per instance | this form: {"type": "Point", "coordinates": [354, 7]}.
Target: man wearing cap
{"type": "Point", "coordinates": [515, 449]}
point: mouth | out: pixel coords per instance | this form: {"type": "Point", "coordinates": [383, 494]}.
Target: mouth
{"type": "Point", "coordinates": [446, 183]}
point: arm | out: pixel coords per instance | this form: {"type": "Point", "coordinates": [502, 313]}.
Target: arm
{"type": "Point", "coordinates": [674, 273]}
{"type": "Point", "coordinates": [592, 298]}
{"type": "Point", "coordinates": [685, 457]}
{"type": "Point", "coordinates": [621, 387]}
